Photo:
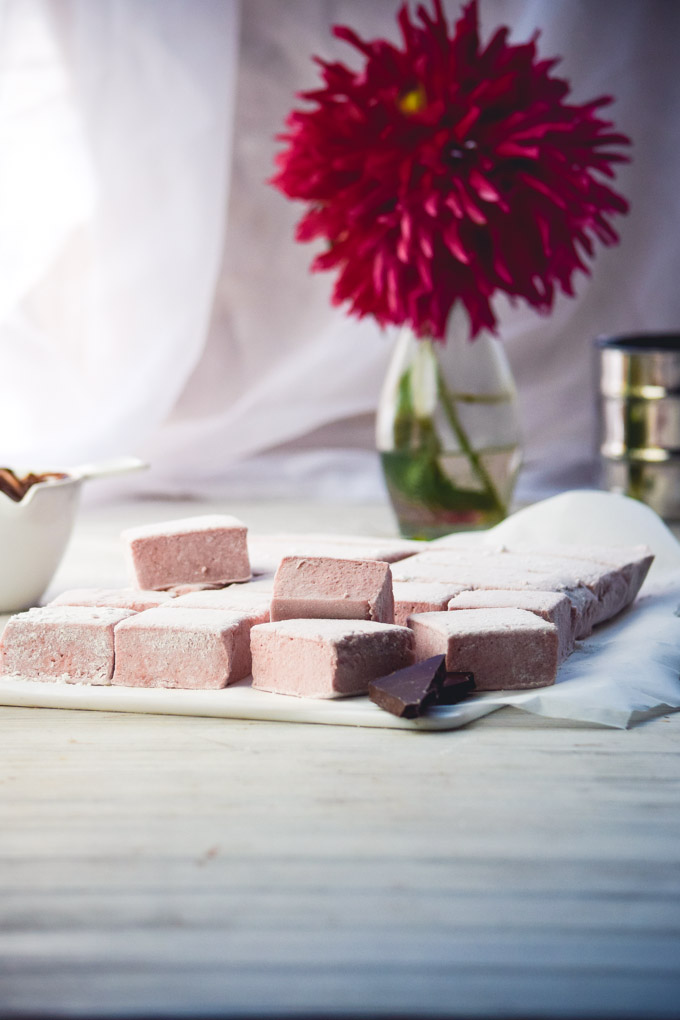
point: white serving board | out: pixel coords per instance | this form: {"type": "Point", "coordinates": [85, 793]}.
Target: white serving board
{"type": "Point", "coordinates": [237, 702]}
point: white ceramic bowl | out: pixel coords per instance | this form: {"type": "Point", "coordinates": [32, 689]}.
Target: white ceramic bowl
{"type": "Point", "coordinates": [34, 533]}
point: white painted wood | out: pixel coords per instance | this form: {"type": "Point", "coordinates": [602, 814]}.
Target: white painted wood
{"type": "Point", "coordinates": [157, 865]}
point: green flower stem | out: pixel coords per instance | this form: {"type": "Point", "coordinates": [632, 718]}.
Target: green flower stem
{"type": "Point", "coordinates": [473, 457]}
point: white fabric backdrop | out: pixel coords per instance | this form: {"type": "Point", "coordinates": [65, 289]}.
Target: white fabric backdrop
{"type": "Point", "coordinates": [152, 299]}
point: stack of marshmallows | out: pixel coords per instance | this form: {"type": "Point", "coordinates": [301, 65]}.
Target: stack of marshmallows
{"type": "Point", "coordinates": [321, 616]}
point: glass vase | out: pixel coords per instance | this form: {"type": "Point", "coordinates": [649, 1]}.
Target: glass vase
{"type": "Point", "coordinates": [448, 432]}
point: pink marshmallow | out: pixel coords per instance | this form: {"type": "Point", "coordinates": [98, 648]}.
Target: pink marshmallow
{"type": "Point", "coordinates": [191, 648]}
{"type": "Point", "coordinates": [114, 598]}
{"type": "Point", "coordinates": [421, 597]}
{"type": "Point", "coordinates": [472, 571]}
{"type": "Point", "coordinates": [325, 588]}
{"type": "Point", "coordinates": [72, 644]}
{"type": "Point", "coordinates": [505, 649]}
{"type": "Point", "coordinates": [326, 658]}
{"type": "Point", "coordinates": [235, 598]}
{"type": "Point", "coordinates": [267, 551]}
{"type": "Point", "coordinates": [489, 568]}
{"type": "Point", "coordinates": [551, 606]}
{"type": "Point", "coordinates": [585, 608]}
{"type": "Point", "coordinates": [632, 562]}
{"type": "Point", "coordinates": [207, 550]}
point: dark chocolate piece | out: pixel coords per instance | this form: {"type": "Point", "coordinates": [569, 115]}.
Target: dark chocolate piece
{"type": "Point", "coordinates": [409, 692]}
{"type": "Point", "coordinates": [455, 688]}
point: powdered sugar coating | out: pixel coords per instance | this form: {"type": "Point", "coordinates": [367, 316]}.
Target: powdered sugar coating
{"type": "Point", "coordinates": [421, 597]}
{"type": "Point", "coordinates": [505, 649]}
{"type": "Point", "coordinates": [553, 607]}
{"type": "Point", "coordinates": [235, 598]}
{"type": "Point", "coordinates": [207, 550]}
{"type": "Point", "coordinates": [72, 644]}
{"type": "Point", "coordinates": [473, 572]}
{"type": "Point", "coordinates": [183, 526]}
{"type": "Point", "coordinates": [183, 647]}
{"type": "Point", "coordinates": [115, 598]}
{"type": "Point", "coordinates": [321, 658]}
{"type": "Point", "coordinates": [489, 568]}
{"type": "Point", "coordinates": [318, 586]}
{"type": "Point", "coordinates": [632, 562]}
{"type": "Point", "coordinates": [329, 630]}
{"type": "Point", "coordinates": [267, 551]}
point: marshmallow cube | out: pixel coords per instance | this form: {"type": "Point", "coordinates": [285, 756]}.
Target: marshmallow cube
{"type": "Point", "coordinates": [421, 597]}
{"type": "Point", "coordinates": [190, 648]}
{"type": "Point", "coordinates": [267, 551]}
{"type": "Point", "coordinates": [73, 644]}
{"type": "Point", "coordinates": [326, 658]}
{"type": "Point", "coordinates": [320, 587]}
{"type": "Point", "coordinates": [551, 606]}
{"type": "Point", "coordinates": [505, 649]}
{"type": "Point", "coordinates": [585, 608]}
{"type": "Point", "coordinates": [472, 571]}
{"type": "Point", "coordinates": [244, 598]}
{"type": "Point", "coordinates": [210, 549]}
{"type": "Point", "coordinates": [115, 598]}
{"type": "Point", "coordinates": [632, 562]}
{"type": "Point", "coordinates": [612, 586]}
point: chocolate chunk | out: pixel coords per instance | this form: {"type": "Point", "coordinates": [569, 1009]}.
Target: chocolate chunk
{"type": "Point", "coordinates": [455, 688]}
{"type": "Point", "coordinates": [408, 692]}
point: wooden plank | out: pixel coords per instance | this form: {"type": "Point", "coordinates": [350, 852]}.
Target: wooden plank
{"type": "Point", "coordinates": [177, 991]}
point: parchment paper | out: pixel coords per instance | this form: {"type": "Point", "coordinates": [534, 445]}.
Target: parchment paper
{"type": "Point", "coordinates": [629, 670]}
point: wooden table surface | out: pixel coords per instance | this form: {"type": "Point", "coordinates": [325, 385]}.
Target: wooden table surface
{"type": "Point", "coordinates": [163, 866]}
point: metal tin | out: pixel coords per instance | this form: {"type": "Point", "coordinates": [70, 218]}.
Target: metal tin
{"type": "Point", "coordinates": [639, 396]}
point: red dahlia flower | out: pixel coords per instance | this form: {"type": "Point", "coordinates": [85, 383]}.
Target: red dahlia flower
{"type": "Point", "coordinates": [444, 172]}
